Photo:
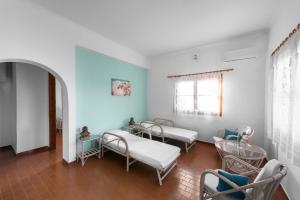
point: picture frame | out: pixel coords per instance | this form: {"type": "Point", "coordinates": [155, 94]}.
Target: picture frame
{"type": "Point", "coordinates": [120, 87]}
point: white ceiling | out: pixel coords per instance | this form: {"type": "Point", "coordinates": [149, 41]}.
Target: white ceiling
{"type": "Point", "coordinates": [154, 27]}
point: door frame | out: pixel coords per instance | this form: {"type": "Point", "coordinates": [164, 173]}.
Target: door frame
{"type": "Point", "coordinates": [52, 111]}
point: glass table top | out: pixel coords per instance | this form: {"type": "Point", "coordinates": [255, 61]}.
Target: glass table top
{"type": "Point", "coordinates": [88, 138]}
{"type": "Point", "coordinates": [241, 150]}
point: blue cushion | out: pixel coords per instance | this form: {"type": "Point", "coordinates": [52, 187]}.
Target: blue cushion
{"type": "Point", "coordinates": [228, 133]}
{"type": "Point", "coordinates": [240, 180]}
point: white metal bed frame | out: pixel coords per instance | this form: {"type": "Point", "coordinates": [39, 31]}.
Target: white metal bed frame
{"type": "Point", "coordinates": [160, 121]}
{"type": "Point", "coordinates": [161, 173]}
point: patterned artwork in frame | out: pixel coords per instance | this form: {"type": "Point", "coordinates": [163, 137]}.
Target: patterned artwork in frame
{"type": "Point", "coordinates": [120, 87]}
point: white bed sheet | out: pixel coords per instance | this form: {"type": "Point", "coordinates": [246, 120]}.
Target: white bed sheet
{"type": "Point", "coordinates": [156, 154]}
{"type": "Point", "coordinates": [180, 134]}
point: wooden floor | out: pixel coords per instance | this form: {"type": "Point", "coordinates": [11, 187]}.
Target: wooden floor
{"type": "Point", "coordinates": [44, 176]}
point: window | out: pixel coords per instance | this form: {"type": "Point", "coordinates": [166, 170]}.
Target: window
{"type": "Point", "coordinates": [200, 97]}
{"type": "Point", "coordinates": [185, 96]}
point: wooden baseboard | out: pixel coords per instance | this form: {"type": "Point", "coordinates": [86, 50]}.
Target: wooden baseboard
{"type": "Point", "coordinates": [38, 150]}
{"type": "Point", "coordinates": [8, 148]}
{"type": "Point", "coordinates": [284, 190]}
{"type": "Point", "coordinates": [33, 151]}
{"type": "Point", "coordinates": [68, 163]}
{"type": "Point", "coordinates": [205, 142]}
{"type": "Point", "coordinates": [5, 148]}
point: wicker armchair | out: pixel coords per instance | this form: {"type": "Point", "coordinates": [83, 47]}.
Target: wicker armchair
{"type": "Point", "coordinates": [262, 188]}
{"type": "Point", "coordinates": [246, 133]}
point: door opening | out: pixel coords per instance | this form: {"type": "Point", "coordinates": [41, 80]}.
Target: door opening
{"type": "Point", "coordinates": [52, 111]}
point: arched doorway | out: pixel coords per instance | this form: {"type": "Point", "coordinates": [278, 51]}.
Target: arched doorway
{"type": "Point", "coordinates": [55, 76]}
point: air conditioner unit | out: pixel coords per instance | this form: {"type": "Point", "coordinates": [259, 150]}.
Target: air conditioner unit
{"type": "Point", "coordinates": [240, 54]}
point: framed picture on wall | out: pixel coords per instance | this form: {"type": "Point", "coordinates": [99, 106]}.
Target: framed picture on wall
{"type": "Point", "coordinates": [120, 87]}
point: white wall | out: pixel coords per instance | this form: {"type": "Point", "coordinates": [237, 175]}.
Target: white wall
{"type": "Point", "coordinates": [13, 110]}
{"type": "Point", "coordinates": [7, 109]}
{"type": "Point", "coordinates": [243, 89]}
{"type": "Point", "coordinates": [24, 119]}
{"type": "Point", "coordinates": [5, 87]}
{"type": "Point", "coordinates": [58, 97]}
{"type": "Point", "coordinates": [31, 33]}
{"type": "Point", "coordinates": [287, 18]}
{"type": "Point", "coordinates": [32, 107]}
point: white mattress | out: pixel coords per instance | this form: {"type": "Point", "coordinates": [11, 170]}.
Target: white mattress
{"type": "Point", "coordinates": [180, 134]}
{"type": "Point", "coordinates": [156, 154]}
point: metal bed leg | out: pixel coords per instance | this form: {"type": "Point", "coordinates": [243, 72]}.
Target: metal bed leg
{"type": "Point", "coordinates": [127, 163]}
{"type": "Point", "coordinates": [162, 175]}
{"type": "Point", "coordinates": [102, 151]}
{"type": "Point", "coordinates": [159, 177]}
{"type": "Point", "coordinates": [187, 147]}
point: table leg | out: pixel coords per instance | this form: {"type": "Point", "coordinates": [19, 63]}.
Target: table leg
{"type": "Point", "coordinates": [82, 153]}
{"type": "Point", "coordinates": [99, 149]}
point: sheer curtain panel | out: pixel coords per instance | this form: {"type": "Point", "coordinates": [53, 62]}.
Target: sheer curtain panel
{"type": "Point", "coordinates": [198, 94]}
{"type": "Point", "coordinates": [286, 100]}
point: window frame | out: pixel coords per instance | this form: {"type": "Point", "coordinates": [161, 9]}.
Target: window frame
{"type": "Point", "coordinates": [195, 110]}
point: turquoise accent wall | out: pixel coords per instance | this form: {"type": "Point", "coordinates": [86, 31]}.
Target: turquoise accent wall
{"type": "Point", "coordinates": [95, 106]}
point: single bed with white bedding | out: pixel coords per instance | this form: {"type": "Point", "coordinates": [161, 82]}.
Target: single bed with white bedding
{"type": "Point", "coordinates": [165, 129]}
{"type": "Point", "coordinates": [156, 154]}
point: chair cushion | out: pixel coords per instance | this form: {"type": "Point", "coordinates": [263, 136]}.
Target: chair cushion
{"type": "Point", "coordinates": [240, 180]}
{"type": "Point", "coordinates": [210, 185]}
{"type": "Point", "coordinates": [228, 135]}
{"type": "Point", "coordinates": [217, 139]}
{"type": "Point", "coordinates": [271, 168]}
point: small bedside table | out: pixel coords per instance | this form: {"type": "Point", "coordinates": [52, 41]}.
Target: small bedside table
{"type": "Point", "coordinates": [83, 154]}
{"type": "Point", "coordinates": [137, 130]}
{"type": "Point", "coordinates": [129, 129]}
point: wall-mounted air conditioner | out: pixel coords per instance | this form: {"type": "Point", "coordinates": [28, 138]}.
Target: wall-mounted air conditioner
{"type": "Point", "coordinates": [240, 54]}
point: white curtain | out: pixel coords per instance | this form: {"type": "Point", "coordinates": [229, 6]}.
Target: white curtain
{"type": "Point", "coordinates": [187, 95]}
{"type": "Point", "coordinates": [206, 76]}
{"type": "Point", "coordinates": [286, 100]}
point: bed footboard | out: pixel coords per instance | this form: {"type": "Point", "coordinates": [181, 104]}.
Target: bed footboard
{"type": "Point", "coordinates": [150, 128]}
{"type": "Point", "coordinates": [189, 145]}
{"type": "Point", "coordinates": [166, 122]}
{"type": "Point", "coordinates": [141, 130]}
{"type": "Point", "coordinates": [162, 174]}
{"type": "Point", "coordinates": [118, 139]}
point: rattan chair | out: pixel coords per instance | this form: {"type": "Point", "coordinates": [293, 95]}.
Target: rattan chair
{"type": "Point", "coordinates": [246, 133]}
{"type": "Point", "coordinates": [220, 135]}
{"type": "Point", "coordinates": [262, 188]}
